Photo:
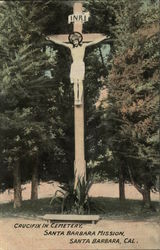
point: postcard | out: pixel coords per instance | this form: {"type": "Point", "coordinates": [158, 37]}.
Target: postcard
{"type": "Point", "coordinates": [79, 125]}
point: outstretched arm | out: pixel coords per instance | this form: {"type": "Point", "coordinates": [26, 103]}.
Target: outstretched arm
{"type": "Point", "coordinates": [97, 41]}
{"type": "Point", "coordinates": [51, 38]}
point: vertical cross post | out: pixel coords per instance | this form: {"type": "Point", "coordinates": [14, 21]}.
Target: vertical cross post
{"type": "Point", "coordinates": [78, 18]}
{"type": "Point", "coordinates": [79, 163]}
{"type": "Point", "coordinates": [77, 9]}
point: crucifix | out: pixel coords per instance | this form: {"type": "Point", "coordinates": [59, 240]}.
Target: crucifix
{"type": "Point", "coordinates": [77, 43]}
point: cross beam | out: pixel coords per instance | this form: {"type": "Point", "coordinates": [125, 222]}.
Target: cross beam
{"type": "Point", "coordinates": [86, 37]}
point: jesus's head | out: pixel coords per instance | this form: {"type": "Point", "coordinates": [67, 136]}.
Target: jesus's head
{"type": "Point", "coordinates": [76, 43]}
{"type": "Point", "coordinates": [76, 39]}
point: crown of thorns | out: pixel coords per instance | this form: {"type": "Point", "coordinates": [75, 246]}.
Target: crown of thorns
{"type": "Point", "coordinates": [75, 36]}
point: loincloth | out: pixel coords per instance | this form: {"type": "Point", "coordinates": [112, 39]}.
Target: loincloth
{"type": "Point", "coordinates": [77, 70]}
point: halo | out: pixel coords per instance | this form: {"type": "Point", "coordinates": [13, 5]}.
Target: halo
{"type": "Point", "coordinates": [75, 36]}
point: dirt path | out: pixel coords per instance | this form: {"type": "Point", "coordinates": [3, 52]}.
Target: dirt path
{"type": "Point", "coordinates": [130, 235]}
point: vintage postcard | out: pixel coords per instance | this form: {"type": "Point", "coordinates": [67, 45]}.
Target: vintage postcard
{"type": "Point", "coordinates": [79, 125]}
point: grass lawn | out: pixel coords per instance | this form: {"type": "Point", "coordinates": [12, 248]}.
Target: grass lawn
{"type": "Point", "coordinates": [107, 207]}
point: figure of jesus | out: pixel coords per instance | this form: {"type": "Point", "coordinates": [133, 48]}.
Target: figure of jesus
{"type": "Point", "coordinates": [77, 72]}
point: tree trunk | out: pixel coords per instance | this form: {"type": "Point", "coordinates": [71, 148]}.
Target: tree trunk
{"type": "Point", "coordinates": [145, 192]}
{"type": "Point", "coordinates": [17, 185]}
{"type": "Point", "coordinates": [121, 185]}
{"type": "Point", "coordinates": [34, 184]}
{"type": "Point", "coordinates": [146, 197]}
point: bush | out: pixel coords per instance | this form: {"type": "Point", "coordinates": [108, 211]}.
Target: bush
{"type": "Point", "coordinates": [74, 200]}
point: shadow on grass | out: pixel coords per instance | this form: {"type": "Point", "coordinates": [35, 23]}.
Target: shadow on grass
{"type": "Point", "coordinates": [113, 208]}
{"type": "Point", "coordinates": [108, 208]}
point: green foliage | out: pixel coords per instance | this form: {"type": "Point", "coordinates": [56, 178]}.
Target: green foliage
{"type": "Point", "coordinates": [74, 199]}
{"type": "Point", "coordinates": [26, 100]}
{"type": "Point", "coordinates": [133, 114]}
{"type": "Point", "coordinates": [94, 130]}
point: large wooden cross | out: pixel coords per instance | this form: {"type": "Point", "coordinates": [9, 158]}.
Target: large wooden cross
{"type": "Point", "coordinates": [80, 163]}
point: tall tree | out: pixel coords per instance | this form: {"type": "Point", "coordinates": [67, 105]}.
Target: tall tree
{"type": "Point", "coordinates": [27, 95]}
{"type": "Point", "coordinates": [133, 95]}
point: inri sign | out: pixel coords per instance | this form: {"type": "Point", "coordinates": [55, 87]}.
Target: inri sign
{"type": "Point", "coordinates": [79, 17]}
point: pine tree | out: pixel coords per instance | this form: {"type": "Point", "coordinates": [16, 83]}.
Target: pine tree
{"type": "Point", "coordinates": [133, 95]}
{"type": "Point", "coordinates": [26, 99]}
